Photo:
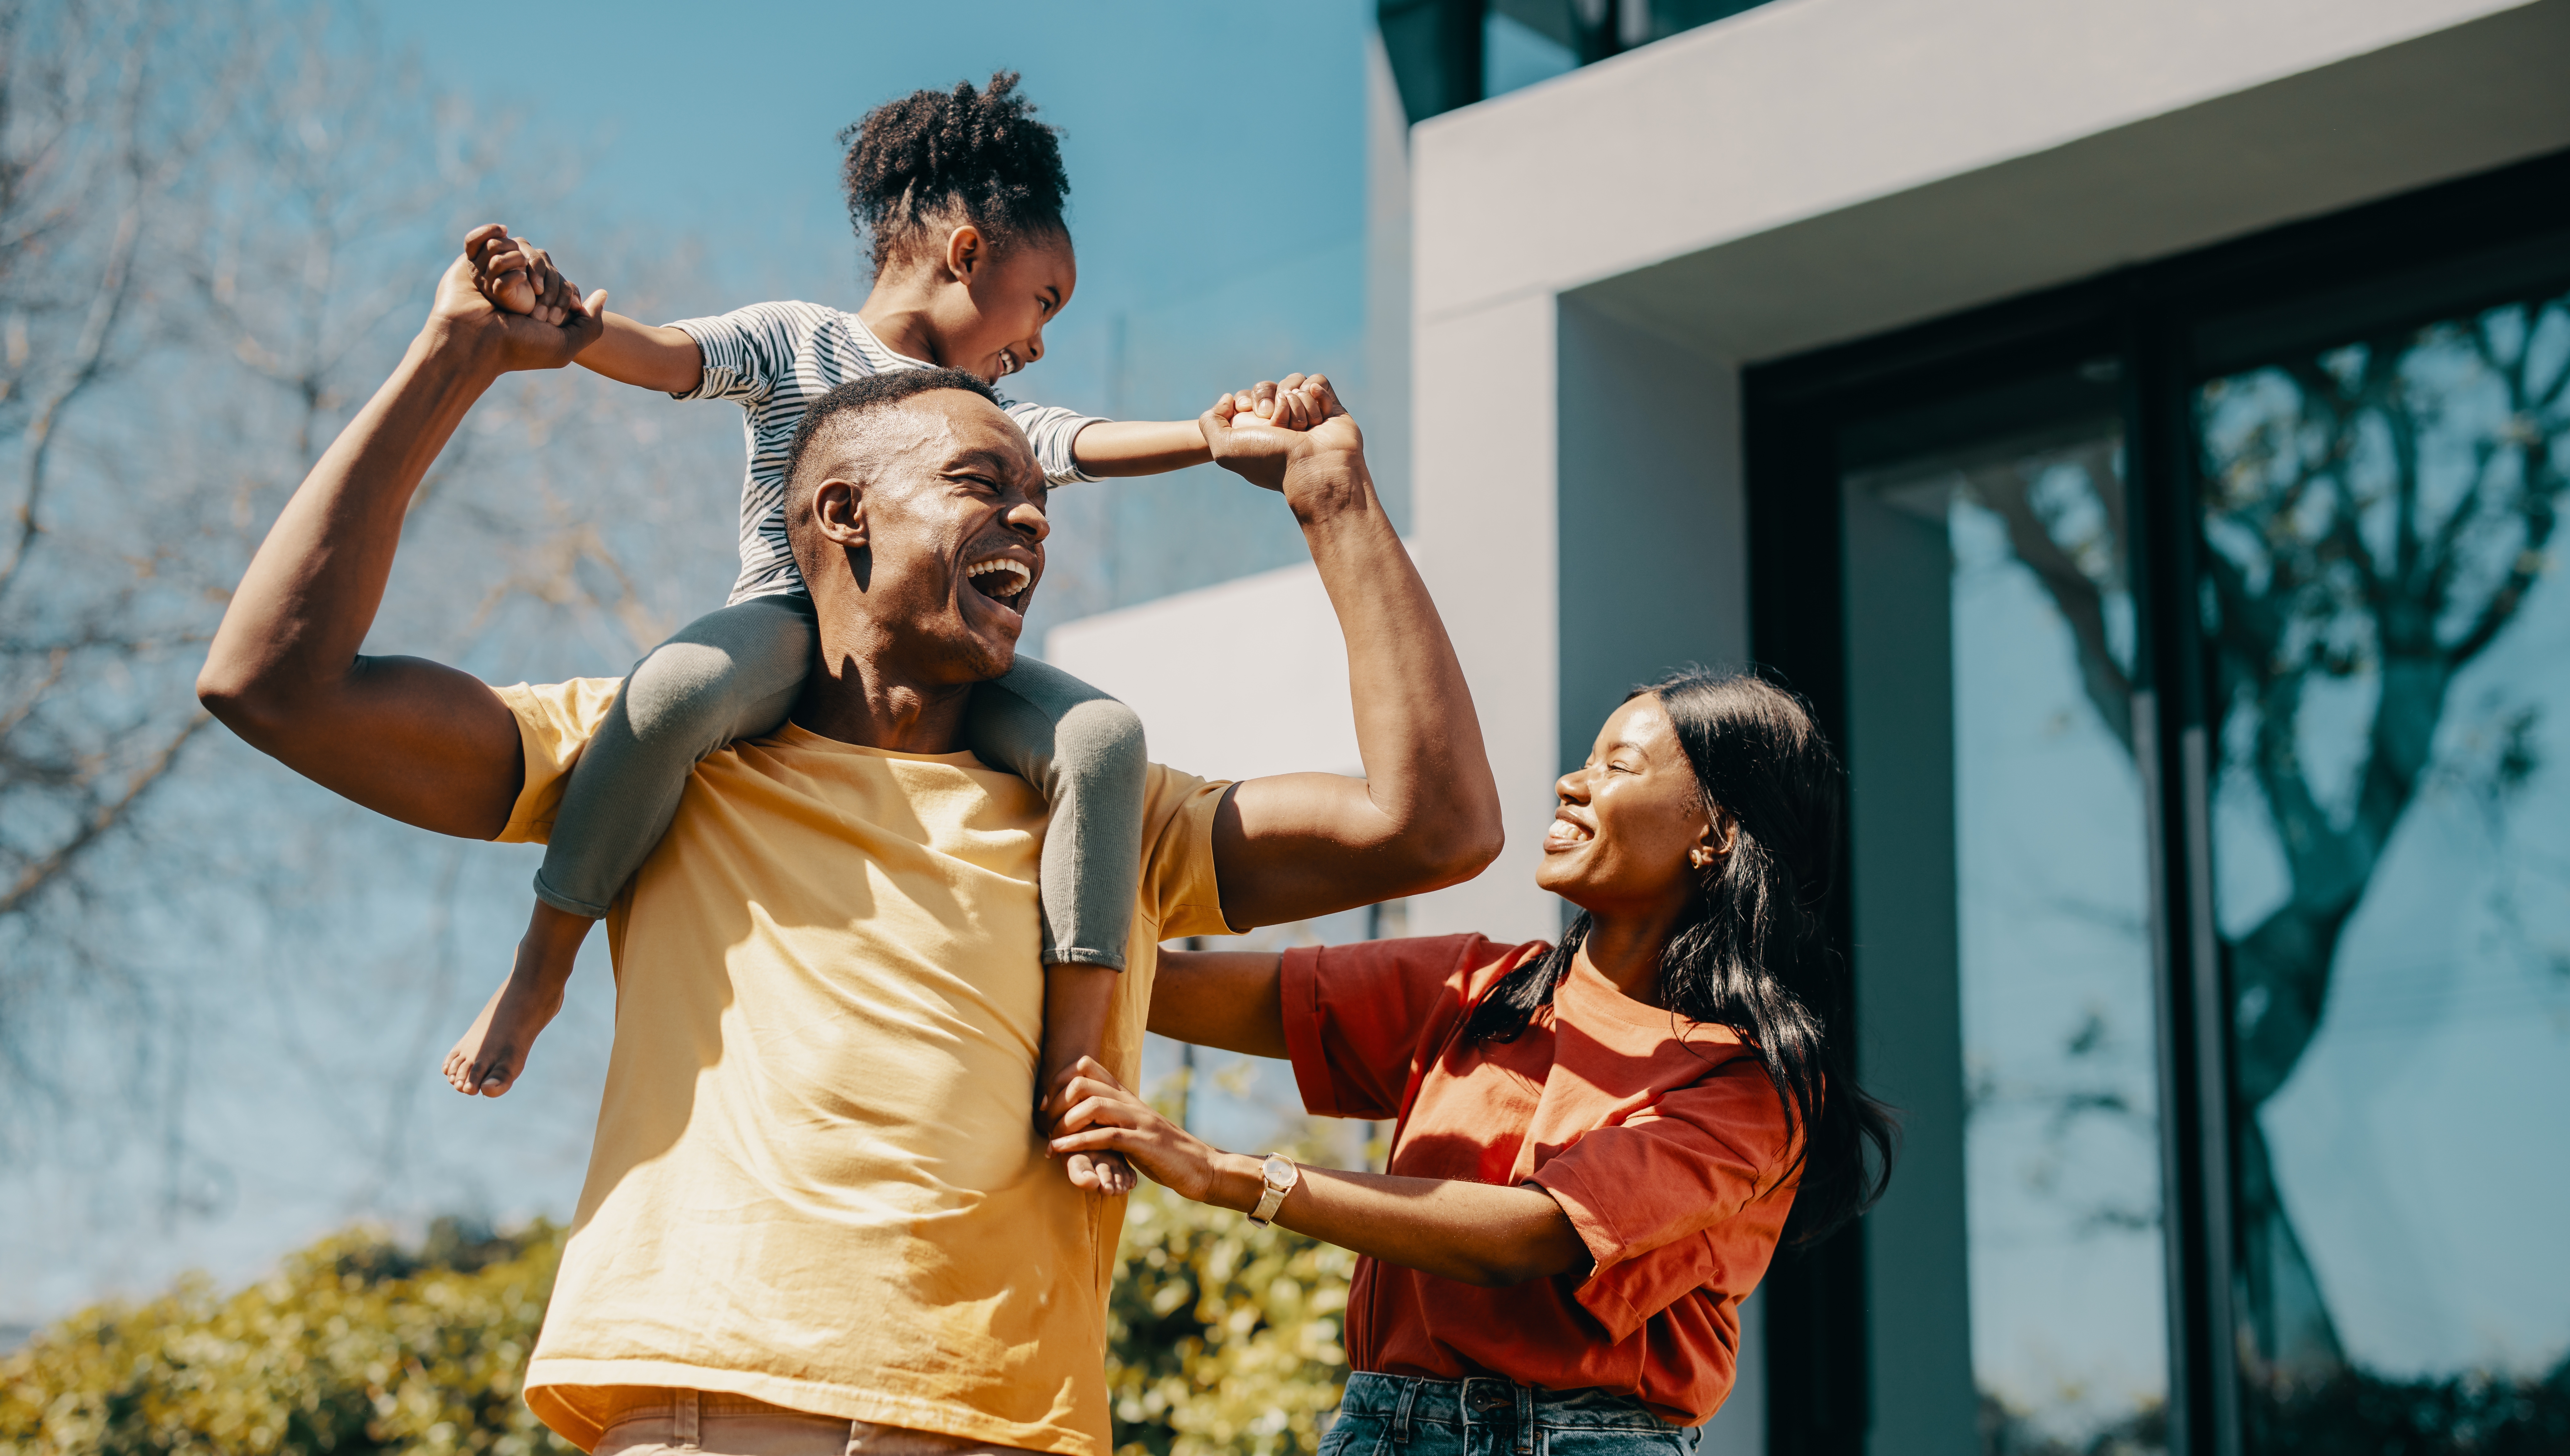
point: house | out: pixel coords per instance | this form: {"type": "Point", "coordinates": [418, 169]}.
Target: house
{"type": "Point", "coordinates": [2138, 427]}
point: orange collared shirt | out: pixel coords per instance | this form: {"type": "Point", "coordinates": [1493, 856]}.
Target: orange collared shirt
{"type": "Point", "coordinates": [1661, 1137]}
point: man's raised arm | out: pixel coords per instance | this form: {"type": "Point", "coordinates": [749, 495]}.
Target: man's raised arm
{"type": "Point", "coordinates": [416, 740]}
{"type": "Point", "coordinates": [1427, 811]}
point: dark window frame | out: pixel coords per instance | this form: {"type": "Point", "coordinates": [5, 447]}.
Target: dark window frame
{"type": "Point", "coordinates": [2150, 318]}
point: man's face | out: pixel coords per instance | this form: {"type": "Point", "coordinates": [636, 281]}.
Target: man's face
{"type": "Point", "coordinates": [951, 503]}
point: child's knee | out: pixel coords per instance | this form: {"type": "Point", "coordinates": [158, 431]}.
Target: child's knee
{"type": "Point", "coordinates": [1102, 738]}
{"type": "Point", "coordinates": [679, 694]}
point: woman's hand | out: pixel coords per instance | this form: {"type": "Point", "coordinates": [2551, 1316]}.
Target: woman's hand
{"type": "Point", "coordinates": [1105, 1118]}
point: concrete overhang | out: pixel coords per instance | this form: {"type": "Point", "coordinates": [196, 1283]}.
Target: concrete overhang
{"type": "Point", "coordinates": [1822, 170]}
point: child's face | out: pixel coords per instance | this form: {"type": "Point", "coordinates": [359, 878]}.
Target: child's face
{"type": "Point", "coordinates": [1013, 292]}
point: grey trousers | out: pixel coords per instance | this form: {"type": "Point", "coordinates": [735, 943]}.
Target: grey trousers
{"type": "Point", "coordinates": [734, 673]}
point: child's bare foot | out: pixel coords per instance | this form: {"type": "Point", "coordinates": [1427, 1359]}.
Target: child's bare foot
{"type": "Point", "coordinates": [1099, 1171]}
{"type": "Point", "coordinates": [491, 1056]}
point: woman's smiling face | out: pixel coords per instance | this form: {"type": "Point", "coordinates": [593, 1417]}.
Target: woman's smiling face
{"type": "Point", "coordinates": [1630, 833]}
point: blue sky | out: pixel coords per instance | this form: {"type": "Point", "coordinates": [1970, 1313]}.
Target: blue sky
{"type": "Point", "coordinates": [1217, 160]}
{"type": "Point", "coordinates": [1205, 143]}
{"type": "Point", "coordinates": [1217, 164]}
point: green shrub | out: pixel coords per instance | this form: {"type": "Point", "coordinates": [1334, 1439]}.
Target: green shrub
{"type": "Point", "coordinates": [355, 1346]}
{"type": "Point", "coordinates": [1222, 1337]}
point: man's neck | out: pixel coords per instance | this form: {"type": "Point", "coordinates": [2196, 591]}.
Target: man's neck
{"type": "Point", "coordinates": [858, 696]}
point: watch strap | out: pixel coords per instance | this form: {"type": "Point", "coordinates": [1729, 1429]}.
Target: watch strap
{"type": "Point", "coordinates": [1279, 1175]}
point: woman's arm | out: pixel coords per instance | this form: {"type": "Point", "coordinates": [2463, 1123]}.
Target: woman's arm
{"type": "Point", "coordinates": [1227, 999]}
{"type": "Point", "coordinates": [1138, 447]}
{"type": "Point", "coordinates": [1472, 1233]}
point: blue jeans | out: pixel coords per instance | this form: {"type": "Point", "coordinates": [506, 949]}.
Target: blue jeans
{"type": "Point", "coordinates": [1394, 1415]}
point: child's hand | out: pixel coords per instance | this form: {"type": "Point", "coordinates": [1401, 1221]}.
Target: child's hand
{"type": "Point", "coordinates": [518, 277]}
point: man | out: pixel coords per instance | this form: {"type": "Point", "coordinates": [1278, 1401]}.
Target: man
{"type": "Point", "coordinates": [817, 1216]}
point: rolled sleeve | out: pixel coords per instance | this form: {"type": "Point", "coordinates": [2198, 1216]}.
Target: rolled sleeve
{"type": "Point", "coordinates": [1359, 1017]}
{"type": "Point", "coordinates": [555, 720]}
{"type": "Point", "coordinates": [745, 351]}
{"type": "Point", "coordinates": [1181, 893]}
{"type": "Point", "coordinates": [1643, 1192]}
{"type": "Point", "coordinates": [1054, 433]}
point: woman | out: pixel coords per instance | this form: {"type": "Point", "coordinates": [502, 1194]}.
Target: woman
{"type": "Point", "coordinates": [1598, 1141]}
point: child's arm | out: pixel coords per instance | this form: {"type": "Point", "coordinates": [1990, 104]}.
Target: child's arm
{"type": "Point", "coordinates": [519, 276]}
{"type": "Point", "coordinates": [655, 356]}
{"type": "Point", "coordinates": [1142, 447]}
{"type": "Point", "coordinates": [1130, 447]}
{"type": "Point", "coordinates": [1077, 999]}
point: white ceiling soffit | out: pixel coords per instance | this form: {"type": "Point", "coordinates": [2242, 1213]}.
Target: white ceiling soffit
{"type": "Point", "coordinates": [1962, 180]}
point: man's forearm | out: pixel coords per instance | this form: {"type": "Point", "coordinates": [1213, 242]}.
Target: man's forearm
{"type": "Point", "coordinates": [1416, 732]}
{"type": "Point", "coordinates": [1138, 447]}
{"type": "Point", "coordinates": [1426, 813]}
{"type": "Point", "coordinates": [411, 739]}
{"type": "Point", "coordinates": [653, 356]}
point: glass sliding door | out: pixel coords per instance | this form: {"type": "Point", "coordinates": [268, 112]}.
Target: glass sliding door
{"type": "Point", "coordinates": [2002, 933]}
{"type": "Point", "coordinates": [2387, 630]}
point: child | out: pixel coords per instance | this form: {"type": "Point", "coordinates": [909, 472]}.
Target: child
{"type": "Point", "coordinates": [961, 194]}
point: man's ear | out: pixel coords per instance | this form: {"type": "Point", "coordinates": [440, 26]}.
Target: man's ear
{"type": "Point", "coordinates": [839, 514]}
{"type": "Point", "coordinates": [966, 249]}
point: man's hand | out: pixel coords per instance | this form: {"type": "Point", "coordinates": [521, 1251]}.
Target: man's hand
{"type": "Point", "coordinates": [462, 312]}
{"type": "Point", "coordinates": [1258, 434]}
{"type": "Point", "coordinates": [519, 276]}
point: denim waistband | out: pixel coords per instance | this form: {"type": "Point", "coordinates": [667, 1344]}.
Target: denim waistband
{"type": "Point", "coordinates": [1492, 1400]}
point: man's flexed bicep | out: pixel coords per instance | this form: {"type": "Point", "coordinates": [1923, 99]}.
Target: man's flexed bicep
{"type": "Point", "coordinates": [415, 740]}
{"type": "Point", "coordinates": [1427, 811]}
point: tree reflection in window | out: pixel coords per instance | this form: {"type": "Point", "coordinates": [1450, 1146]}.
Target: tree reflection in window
{"type": "Point", "coordinates": [2378, 527]}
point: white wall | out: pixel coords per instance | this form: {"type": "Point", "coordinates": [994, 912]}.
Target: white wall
{"type": "Point", "coordinates": [1808, 107]}
{"type": "Point", "coordinates": [1233, 682]}
{"type": "Point", "coordinates": [1815, 171]}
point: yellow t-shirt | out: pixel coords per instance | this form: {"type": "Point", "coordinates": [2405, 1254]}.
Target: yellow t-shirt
{"type": "Point", "coordinates": [817, 1179]}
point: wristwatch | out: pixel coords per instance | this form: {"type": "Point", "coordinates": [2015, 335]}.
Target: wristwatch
{"type": "Point", "coordinates": [1280, 1176]}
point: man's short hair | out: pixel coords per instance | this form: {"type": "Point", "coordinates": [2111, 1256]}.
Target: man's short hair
{"type": "Point", "coordinates": [868, 393]}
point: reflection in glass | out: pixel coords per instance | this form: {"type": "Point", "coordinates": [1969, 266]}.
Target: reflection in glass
{"type": "Point", "coordinates": [2061, 1160]}
{"type": "Point", "coordinates": [2391, 647]}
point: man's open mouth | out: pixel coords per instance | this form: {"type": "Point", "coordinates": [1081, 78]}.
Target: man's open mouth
{"type": "Point", "coordinates": [1004, 579]}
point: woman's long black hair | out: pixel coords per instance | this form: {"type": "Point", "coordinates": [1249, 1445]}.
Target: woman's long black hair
{"type": "Point", "coordinates": [1753, 951]}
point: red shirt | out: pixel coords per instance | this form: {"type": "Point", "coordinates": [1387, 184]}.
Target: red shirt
{"type": "Point", "coordinates": [1661, 1137]}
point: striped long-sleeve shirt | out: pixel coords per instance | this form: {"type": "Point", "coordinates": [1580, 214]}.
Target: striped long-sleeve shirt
{"type": "Point", "coordinates": [773, 359]}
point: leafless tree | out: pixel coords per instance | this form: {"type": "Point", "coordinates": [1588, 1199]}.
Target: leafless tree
{"type": "Point", "coordinates": [218, 225]}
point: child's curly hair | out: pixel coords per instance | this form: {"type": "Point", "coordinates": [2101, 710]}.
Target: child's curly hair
{"type": "Point", "coordinates": [934, 159]}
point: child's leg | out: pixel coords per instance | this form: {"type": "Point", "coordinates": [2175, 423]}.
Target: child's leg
{"type": "Point", "coordinates": [728, 674]}
{"type": "Point", "coordinates": [1084, 750]}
